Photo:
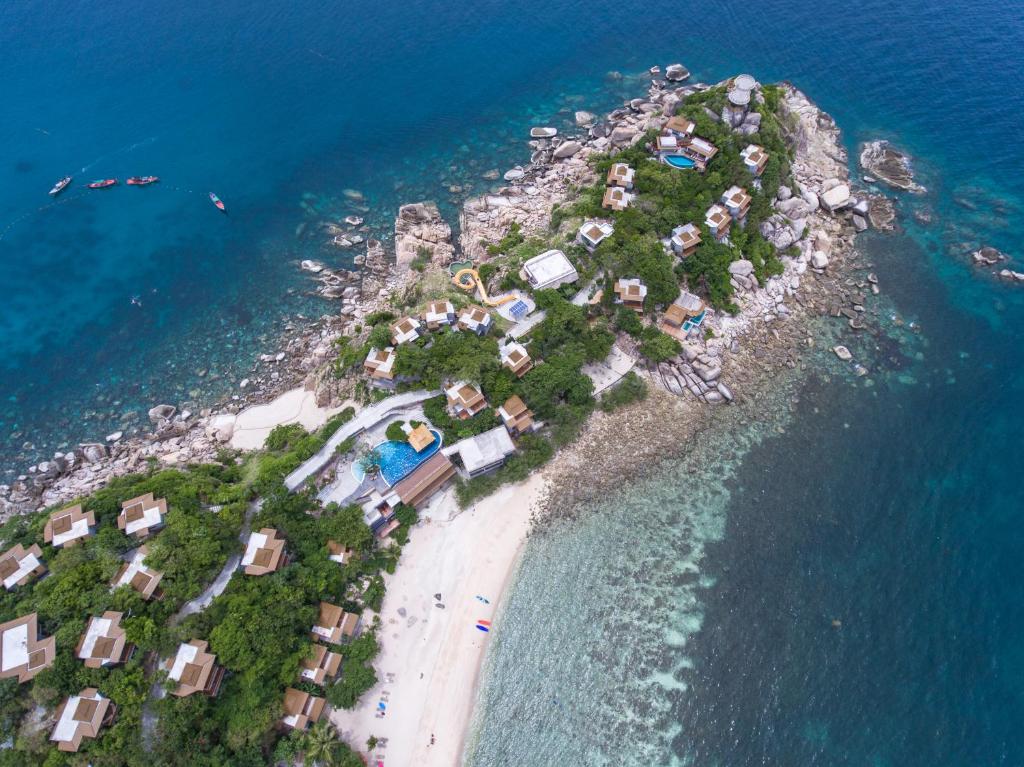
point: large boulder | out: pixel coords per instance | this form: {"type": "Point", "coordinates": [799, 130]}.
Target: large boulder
{"type": "Point", "coordinates": [676, 73]}
{"type": "Point", "coordinates": [623, 135]}
{"type": "Point", "coordinates": [566, 149]}
{"type": "Point", "coordinates": [741, 268]}
{"type": "Point", "coordinates": [162, 413]}
{"type": "Point", "coordinates": [836, 198]}
{"type": "Point", "coordinates": [585, 118]}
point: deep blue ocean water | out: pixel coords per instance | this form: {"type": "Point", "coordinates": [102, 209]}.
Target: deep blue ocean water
{"type": "Point", "coordinates": [891, 508]}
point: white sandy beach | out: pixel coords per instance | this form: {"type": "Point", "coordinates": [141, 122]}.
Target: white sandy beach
{"type": "Point", "coordinates": [434, 654]}
{"type": "Point", "coordinates": [253, 424]}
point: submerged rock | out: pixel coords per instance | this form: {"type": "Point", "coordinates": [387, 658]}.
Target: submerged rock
{"type": "Point", "coordinates": [676, 73]}
{"type": "Point", "coordinates": [891, 166]}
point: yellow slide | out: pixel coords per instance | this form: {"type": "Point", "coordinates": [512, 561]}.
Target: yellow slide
{"type": "Point", "coordinates": [474, 282]}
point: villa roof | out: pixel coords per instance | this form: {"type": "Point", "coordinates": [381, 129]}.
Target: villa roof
{"type": "Point", "coordinates": [439, 312]}
{"type": "Point", "coordinates": [421, 438]}
{"type": "Point", "coordinates": [616, 198]}
{"type": "Point", "coordinates": [19, 565]}
{"type": "Point", "coordinates": [23, 653]}
{"type": "Point", "coordinates": [474, 317]}
{"type": "Point", "coordinates": [736, 199]}
{"type": "Point", "coordinates": [193, 669]}
{"type": "Point", "coordinates": [322, 665]}
{"type": "Point", "coordinates": [631, 291]}
{"type": "Point", "coordinates": [620, 174]}
{"type": "Point", "coordinates": [103, 641]}
{"type": "Point", "coordinates": [687, 236]}
{"type": "Point", "coordinates": [484, 451]}
{"type": "Point", "coordinates": [425, 480]}
{"type": "Point", "coordinates": [465, 398]}
{"type": "Point", "coordinates": [405, 330]}
{"type": "Point", "coordinates": [135, 574]}
{"type": "Point", "coordinates": [301, 709]}
{"type": "Point", "coordinates": [139, 516]}
{"type": "Point", "coordinates": [681, 124]}
{"type": "Point", "coordinates": [79, 716]}
{"type": "Point", "coordinates": [549, 270]}
{"type": "Point", "coordinates": [66, 527]}
{"type": "Point", "coordinates": [333, 623]}
{"type": "Point", "coordinates": [339, 553]}
{"type": "Point", "coordinates": [702, 147]}
{"type": "Point", "coordinates": [380, 363]}
{"type": "Point", "coordinates": [755, 157]}
{"type": "Point", "coordinates": [515, 357]}
{"type": "Point", "coordinates": [515, 415]}
{"type": "Point", "coordinates": [666, 142]}
{"type": "Point", "coordinates": [717, 216]}
{"type": "Point", "coordinates": [264, 552]}
{"type": "Point", "coordinates": [595, 231]}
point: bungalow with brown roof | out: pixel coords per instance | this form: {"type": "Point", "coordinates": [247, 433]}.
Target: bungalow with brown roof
{"type": "Point", "coordinates": [685, 307]}
{"type": "Point", "coordinates": [464, 400]}
{"type": "Point", "coordinates": [380, 364]}
{"type": "Point", "coordinates": [427, 479]}
{"type": "Point", "coordinates": [515, 357]}
{"type": "Point", "coordinates": [67, 527]}
{"type": "Point", "coordinates": [301, 709]}
{"type": "Point", "coordinates": [320, 666]}
{"type": "Point", "coordinates": [104, 642]}
{"type": "Point", "coordinates": [338, 553]}
{"type": "Point", "coordinates": [518, 418]}
{"type": "Point", "coordinates": [718, 220]}
{"type": "Point", "coordinates": [333, 624]}
{"type": "Point", "coordinates": [621, 175]}
{"type": "Point", "coordinates": [475, 318]}
{"type": "Point", "coordinates": [81, 716]}
{"type": "Point", "coordinates": [420, 438]}
{"type": "Point", "coordinates": [405, 330]}
{"type": "Point", "coordinates": [616, 198]}
{"type": "Point", "coordinates": [141, 516]}
{"type": "Point", "coordinates": [685, 240]}
{"type": "Point", "coordinates": [700, 150]}
{"type": "Point", "coordinates": [19, 565]}
{"type": "Point", "coordinates": [631, 293]}
{"type": "Point", "coordinates": [264, 553]}
{"type": "Point", "coordinates": [194, 669]}
{"type": "Point", "coordinates": [439, 313]}
{"type": "Point", "coordinates": [755, 158]}
{"type": "Point", "coordinates": [593, 233]}
{"type": "Point", "coordinates": [681, 125]}
{"type": "Point", "coordinates": [737, 202]}
{"type": "Point", "coordinates": [24, 652]}
{"type": "Point", "coordinates": [143, 579]}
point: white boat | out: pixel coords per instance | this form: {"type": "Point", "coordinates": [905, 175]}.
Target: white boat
{"type": "Point", "coordinates": [60, 186]}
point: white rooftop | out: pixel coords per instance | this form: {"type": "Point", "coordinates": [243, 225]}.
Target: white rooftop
{"type": "Point", "coordinates": [15, 647]}
{"type": "Point", "coordinates": [483, 449]}
{"type": "Point", "coordinates": [67, 725]}
{"type": "Point", "coordinates": [135, 566]}
{"type": "Point", "coordinates": [97, 628]}
{"type": "Point", "coordinates": [256, 542]}
{"type": "Point", "coordinates": [186, 654]}
{"type": "Point", "coordinates": [550, 269]}
{"type": "Point", "coordinates": [26, 564]}
{"type": "Point", "coordinates": [79, 529]}
{"type": "Point", "coordinates": [151, 517]}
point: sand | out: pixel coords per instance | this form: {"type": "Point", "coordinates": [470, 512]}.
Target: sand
{"type": "Point", "coordinates": [434, 654]}
{"type": "Point", "coordinates": [253, 424]}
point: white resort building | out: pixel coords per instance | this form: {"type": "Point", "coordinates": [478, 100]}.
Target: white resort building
{"type": "Point", "coordinates": [621, 175]}
{"type": "Point", "coordinates": [550, 269]}
{"type": "Point", "coordinates": [755, 158]}
{"type": "Point", "coordinates": [616, 198]}
{"type": "Point", "coordinates": [684, 240]}
{"type": "Point", "coordinates": [593, 233]}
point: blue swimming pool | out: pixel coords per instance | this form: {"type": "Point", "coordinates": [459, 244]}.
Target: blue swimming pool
{"type": "Point", "coordinates": [679, 161]}
{"type": "Point", "coordinates": [397, 459]}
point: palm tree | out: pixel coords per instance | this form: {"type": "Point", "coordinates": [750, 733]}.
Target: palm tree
{"type": "Point", "coordinates": [321, 745]}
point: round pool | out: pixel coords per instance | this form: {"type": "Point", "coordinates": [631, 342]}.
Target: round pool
{"type": "Point", "coordinates": [398, 459]}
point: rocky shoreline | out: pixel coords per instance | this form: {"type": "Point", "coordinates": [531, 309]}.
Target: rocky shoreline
{"type": "Point", "coordinates": [820, 217]}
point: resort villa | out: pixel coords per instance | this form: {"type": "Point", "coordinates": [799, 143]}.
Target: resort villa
{"type": "Point", "coordinates": [24, 652]}
{"type": "Point", "coordinates": [321, 666]}
{"type": "Point", "coordinates": [616, 198]}
{"type": "Point", "coordinates": [684, 240]}
{"type": "Point", "coordinates": [518, 418]}
{"type": "Point", "coordinates": [718, 220]}
{"type": "Point", "coordinates": [620, 175]}
{"type": "Point", "coordinates": [464, 400]}
{"type": "Point", "coordinates": [679, 317]}
{"type": "Point", "coordinates": [755, 158]}
{"type": "Point", "coordinates": [19, 565]}
{"type": "Point", "coordinates": [405, 330]}
{"type": "Point", "coordinates": [104, 642]}
{"type": "Point", "coordinates": [415, 489]}
{"type": "Point", "coordinates": [681, 126]}
{"type": "Point", "coordinates": [67, 527]}
{"type": "Point", "coordinates": [380, 364]}
{"type": "Point", "coordinates": [475, 319]}
{"type": "Point", "coordinates": [700, 150]}
{"type": "Point", "coordinates": [666, 142]}
{"type": "Point", "coordinates": [483, 452]}
{"type": "Point", "coordinates": [301, 709]}
{"type": "Point", "coordinates": [194, 669]}
{"type": "Point", "coordinates": [420, 438]}
{"type": "Point", "coordinates": [737, 202]}
{"type": "Point", "coordinates": [551, 269]}
{"type": "Point", "coordinates": [333, 624]}
{"type": "Point", "coordinates": [593, 232]}
{"type": "Point", "coordinates": [338, 553]}
{"type": "Point", "coordinates": [141, 578]}
{"type": "Point", "coordinates": [81, 716]}
{"type": "Point", "coordinates": [141, 516]}
{"type": "Point", "coordinates": [514, 357]}
{"type": "Point", "coordinates": [631, 293]}
{"type": "Point", "coordinates": [264, 553]}
{"type": "Point", "coordinates": [379, 512]}
{"type": "Point", "coordinates": [439, 313]}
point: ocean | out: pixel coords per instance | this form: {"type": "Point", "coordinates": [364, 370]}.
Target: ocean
{"type": "Point", "coordinates": [836, 583]}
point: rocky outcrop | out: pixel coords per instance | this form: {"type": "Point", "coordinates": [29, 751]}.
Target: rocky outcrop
{"type": "Point", "coordinates": [420, 231]}
{"type": "Point", "coordinates": [888, 164]}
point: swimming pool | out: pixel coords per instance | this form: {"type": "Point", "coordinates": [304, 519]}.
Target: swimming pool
{"type": "Point", "coordinates": [679, 161]}
{"type": "Point", "coordinates": [398, 459]}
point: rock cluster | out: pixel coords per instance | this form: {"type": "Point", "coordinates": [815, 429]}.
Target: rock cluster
{"type": "Point", "coordinates": [419, 229]}
{"type": "Point", "coordinates": [891, 166]}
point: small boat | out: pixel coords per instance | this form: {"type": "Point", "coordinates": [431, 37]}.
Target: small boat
{"type": "Point", "coordinates": [103, 183]}
{"type": "Point", "coordinates": [142, 180]}
{"type": "Point", "coordinates": [60, 186]}
{"type": "Point", "coordinates": [216, 201]}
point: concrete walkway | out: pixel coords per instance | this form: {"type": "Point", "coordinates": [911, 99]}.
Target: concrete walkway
{"type": "Point", "coordinates": [610, 371]}
{"type": "Point", "coordinates": [364, 419]}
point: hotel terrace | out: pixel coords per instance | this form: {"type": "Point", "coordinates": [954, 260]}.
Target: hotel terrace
{"type": "Point", "coordinates": [737, 201]}
{"type": "Point", "coordinates": [700, 150]}
{"type": "Point", "coordinates": [19, 565]}
{"type": "Point", "coordinates": [718, 220]}
{"type": "Point", "coordinates": [616, 198]}
{"type": "Point", "coordinates": [24, 652]}
{"type": "Point", "coordinates": [620, 175]}
{"type": "Point", "coordinates": [679, 312]}
{"type": "Point", "coordinates": [631, 294]}
{"type": "Point", "coordinates": [755, 158]}
{"type": "Point", "coordinates": [551, 269]}
{"type": "Point", "coordinates": [301, 709]}
{"type": "Point", "coordinates": [141, 516]}
{"type": "Point", "coordinates": [67, 527]}
{"type": "Point", "coordinates": [264, 553]}
{"type": "Point", "coordinates": [593, 233]}
{"type": "Point", "coordinates": [81, 716]}
{"type": "Point", "coordinates": [195, 670]}
{"type": "Point", "coordinates": [515, 358]}
{"type": "Point", "coordinates": [380, 364]}
{"type": "Point", "coordinates": [141, 578]}
{"type": "Point", "coordinates": [518, 418]}
{"type": "Point", "coordinates": [685, 240]}
{"type": "Point", "coordinates": [667, 143]}
{"type": "Point", "coordinates": [321, 666]}
{"type": "Point", "coordinates": [464, 400]}
{"type": "Point", "coordinates": [426, 480]}
{"type": "Point", "coordinates": [333, 624]}
{"type": "Point", "coordinates": [439, 313]}
{"type": "Point", "coordinates": [104, 642]}
{"type": "Point", "coordinates": [405, 330]}
{"type": "Point", "coordinates": [475, 319]}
